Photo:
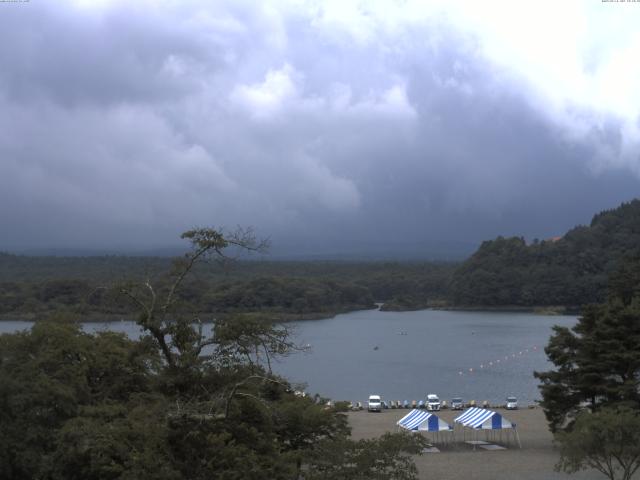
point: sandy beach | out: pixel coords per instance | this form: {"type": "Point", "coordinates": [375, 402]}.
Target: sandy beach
{"type": "Point", "coordinates": [535, 461]}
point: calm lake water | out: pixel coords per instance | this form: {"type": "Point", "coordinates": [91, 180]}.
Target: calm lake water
{"type": "Point", "coordinates": [405, 355]}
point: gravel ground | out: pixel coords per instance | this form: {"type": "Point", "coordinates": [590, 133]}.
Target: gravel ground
{"type": "Point", "coordinates": [535, 461]}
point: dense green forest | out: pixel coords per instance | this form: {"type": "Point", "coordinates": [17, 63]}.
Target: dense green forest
{"type": "Point", "coordinates": [33, 286]}
{"type": "Point", "coordinates": [590, 396]}
{"type": "Point", "coordinates": [506, 272]}
{"type": "Point", "coordinates": [177, 403]}
{"type": "Point", "coordinates": [569, 271]}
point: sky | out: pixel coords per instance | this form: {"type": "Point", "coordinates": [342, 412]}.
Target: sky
{"type": "Point", "coordinates": [392, 128]}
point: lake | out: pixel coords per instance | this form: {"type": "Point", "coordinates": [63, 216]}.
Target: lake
{"type": "Point", "coordinates": [405, 355]}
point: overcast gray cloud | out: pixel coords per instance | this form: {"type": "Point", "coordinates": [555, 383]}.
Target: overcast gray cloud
{"type": "Point", "coordinates": [345, 127]}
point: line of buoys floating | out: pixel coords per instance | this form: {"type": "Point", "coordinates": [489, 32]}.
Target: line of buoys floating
{"type": "Point", "coordinates": [486, 365]}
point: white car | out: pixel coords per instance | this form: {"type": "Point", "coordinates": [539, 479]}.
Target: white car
{"type": "Point", "coordinates": [512, 403]}
{"type": "Point", "coordinates": [456, 403]}
{"type": "Point", "coordinates": [375, 403]}
{"type": "Point", "coordinates": [433, 402]}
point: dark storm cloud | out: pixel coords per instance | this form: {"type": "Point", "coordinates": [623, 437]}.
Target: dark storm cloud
{"type": "Point", "coordinates": [124, 125]}
{"type": "Point", "coordinates": [76, 57]}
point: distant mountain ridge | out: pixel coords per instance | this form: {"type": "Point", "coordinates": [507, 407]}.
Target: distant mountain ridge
{"type": "Point", "coordinates": [570, 271]}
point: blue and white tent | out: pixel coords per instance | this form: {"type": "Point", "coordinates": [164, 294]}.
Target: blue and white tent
{"type": "Point", "coordinates": [423, 421]}
{"type": "Point", "coordinates": [481, 418]}
{"type": "Point", "coordinates": [484, 419]}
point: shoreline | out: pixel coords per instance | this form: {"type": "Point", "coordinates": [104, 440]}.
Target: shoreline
{"type": "Point", "coordinates": [285, 317]}
{"type": "Point", "coordinates": [458, 460]}
{"type": "Point", "coordinates": [116, 318]}
{"type": "Point", "coordinates": [549, 310]}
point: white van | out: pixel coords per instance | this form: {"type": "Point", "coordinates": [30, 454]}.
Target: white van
{"type": "Point", "coordinates": [512, 403]}
{"type": "Point", "coordinates": [433, 402]}
{"type": "Point", "coordinates": [375, 403]}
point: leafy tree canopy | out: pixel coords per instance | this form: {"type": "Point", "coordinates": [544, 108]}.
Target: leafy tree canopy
{"type": "Point", "coordinates": [598, 360]}
{"type": "Point", "coordinates": [180, 403]}
{"type": "Point", "coordinates": [570, 270]}
{"type": "Point", "coordinates": [607, 440]}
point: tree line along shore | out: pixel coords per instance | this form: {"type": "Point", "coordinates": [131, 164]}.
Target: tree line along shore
{"type": "Point", "coordinates": [549, 276]}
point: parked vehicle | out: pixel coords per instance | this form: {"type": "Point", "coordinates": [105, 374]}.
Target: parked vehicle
{"type": "Point", "coordinates": [512, 403]}
{"type": "Point", "coordinates": [456, 403]}
{"type": "Point", "coordinates": [375, 403]}
{"type": "Point", "coordinates": [433, 402]}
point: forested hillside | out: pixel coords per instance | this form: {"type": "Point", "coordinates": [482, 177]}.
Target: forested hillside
{"type": "Point", "coordinates": [569, 271]}
{"type": "Point", "coordinates": [34, 286]}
